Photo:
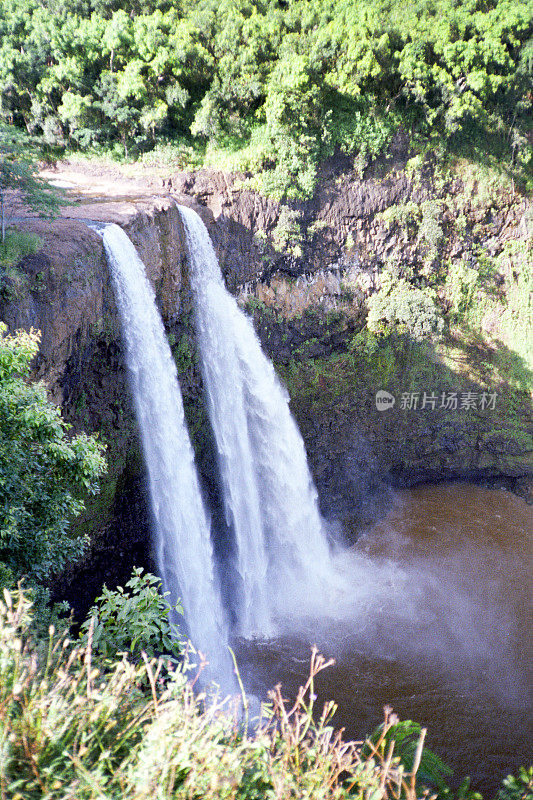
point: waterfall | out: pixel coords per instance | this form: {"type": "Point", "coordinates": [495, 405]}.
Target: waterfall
{"type": "Point", "coordinates": [270, 499]}
{"type": "Point", "coordinates": [181, 526]}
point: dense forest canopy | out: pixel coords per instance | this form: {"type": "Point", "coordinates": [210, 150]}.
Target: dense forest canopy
{"type": "Point", "coordinates": [279, 85]}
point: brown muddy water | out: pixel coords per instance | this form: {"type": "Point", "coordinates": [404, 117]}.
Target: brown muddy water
{"type": "Point", "coordinates": [431, 612]}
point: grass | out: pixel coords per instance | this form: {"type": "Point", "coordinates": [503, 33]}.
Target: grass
{"type": "Point", "coordinates": [16, 245]}
{"type": "Point", "coordinates": [72, 728]}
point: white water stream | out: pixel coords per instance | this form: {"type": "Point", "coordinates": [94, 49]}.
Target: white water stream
{"type": "Point", "coordinates": [181, 525]}
{"type": "Point", "coordinates": [270, 500]}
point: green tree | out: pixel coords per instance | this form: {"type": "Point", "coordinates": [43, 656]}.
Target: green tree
{"type": "Point", "coordinates": [18, 174]}
{"type": "Point", "coordinates": [278, 86]}
{"type": "Point", "coordinates": [44, 473]}
{"type": "Point", "coordinates": [400, 305]}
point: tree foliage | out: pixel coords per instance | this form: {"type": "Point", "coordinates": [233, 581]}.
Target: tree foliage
{"type": "Point", "coordinates": [44, 473]}
{"type": "Point", "coordinates": [278, 85]}
{"type": "Point", "coordinates": [404, 307]}
{"type": "Point", "coordinates": [18, 173]}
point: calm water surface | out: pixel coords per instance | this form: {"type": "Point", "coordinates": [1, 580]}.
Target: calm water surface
{"type": "Point", "coordinates": [438, 624]}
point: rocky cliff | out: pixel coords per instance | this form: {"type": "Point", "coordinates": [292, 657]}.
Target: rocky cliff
{"type": "Point", "coordinates": [306, 272]}
{"type": "Point", "coordinates": [461, 236]}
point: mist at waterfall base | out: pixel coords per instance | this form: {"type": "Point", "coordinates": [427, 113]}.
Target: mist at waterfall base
{"type": "Point", "coordinates": [459, 657]}
{"type": "Point", "coordinates": [290, 579]}
{"type": "Point", "coordinates": [180, 523]}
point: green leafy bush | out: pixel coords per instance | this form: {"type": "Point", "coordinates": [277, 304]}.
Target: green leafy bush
{"type": "Point", "coordinates": [519, 787]}
{"type": "Point", "coordinates": [287, 234]}
{"type": "Point", "coordinates": [430, 232]}
{"type": "Point", "coordinates": [461, 284]}
{"type": "Point", "coordinates": [405, 307]}
{"type": "Point", "coordinates": [133, 619]}
{"type": "Point", "coordinates": [408, 738]}
{"type": "Point", "coordinates": [64, 726]}
{"type": "Point", "coordinates": [44, 473]}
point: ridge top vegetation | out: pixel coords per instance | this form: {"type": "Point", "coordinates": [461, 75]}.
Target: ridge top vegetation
{"type": "Point", "coordinates": [271, 88]}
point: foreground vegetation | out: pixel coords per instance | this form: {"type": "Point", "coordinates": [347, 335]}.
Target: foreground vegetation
{"type": "Point", "coordinates": [268, 86]}
{"type": "Point", "coordinates": [45, 473]}
{"type": "Point", "coordinates": [73, 725]}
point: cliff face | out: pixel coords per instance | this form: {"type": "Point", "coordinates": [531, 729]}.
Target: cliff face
{"type": "Point", "coordinates": [465, 238]}
{"type": "Point", "coordinates": [305, 272]}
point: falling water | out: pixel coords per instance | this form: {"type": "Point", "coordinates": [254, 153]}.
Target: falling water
{"type": "Point", "coordinates": [271, 502]}
{"type": "Point", "coordinates": [182, 528]}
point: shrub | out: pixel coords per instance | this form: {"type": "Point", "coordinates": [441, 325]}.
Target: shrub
{"type": "Point", "coordinates": [518, 787]}
{"type": "Point", "coordinates": [461, 285]}
{"type": "Point", "coordinates": [287, 233]}
{"type": "Point", "coordinates": [64, 727]}
{"type": "Point", "coordinates": [430, 230]}
{"type": "Point", "coordinates": [399, 304]}
{"type": "Point", "coordinates": [132, 620]}
{"type": "Point", "coordinates": [44, 474]}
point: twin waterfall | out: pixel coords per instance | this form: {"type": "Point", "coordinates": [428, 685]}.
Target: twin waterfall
{"type": "Point", "coordinates": [270, 501]}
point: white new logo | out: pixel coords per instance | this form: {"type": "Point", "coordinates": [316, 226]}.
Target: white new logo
{"type": "Point", "coordinates": [384, 400]}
